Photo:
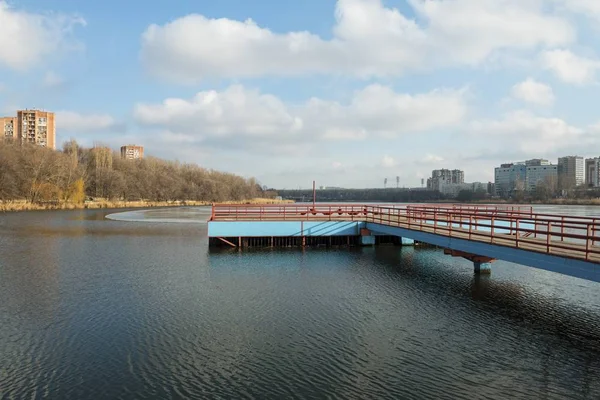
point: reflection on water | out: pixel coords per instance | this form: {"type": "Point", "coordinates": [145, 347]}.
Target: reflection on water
{"type": "Point", "coordinates": [173, 215]}
{"type": "Point", "coordinates": [98, 308]}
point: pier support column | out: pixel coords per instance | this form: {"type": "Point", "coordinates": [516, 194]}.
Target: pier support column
{"type": "Point", "coordinates": [481, 264]}
{"type": "Point", "coordinates": [366, 238]}
{"type": "Point", "coordinates": [482, 267]}
{"type": "Point", "coordinates": [407, 241]}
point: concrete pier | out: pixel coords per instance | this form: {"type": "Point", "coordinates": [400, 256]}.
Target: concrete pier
{"type": "Point", "coordinates": [481, 234]}
{"type": "Point", "coordinates": [483, 268]}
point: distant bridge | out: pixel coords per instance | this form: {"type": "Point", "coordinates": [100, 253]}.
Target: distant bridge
{"type": "Point", "coordinates": [337, 195]}
{"type": "Point", "coordinates": [565, 244]}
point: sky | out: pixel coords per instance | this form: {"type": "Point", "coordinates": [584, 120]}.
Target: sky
{"type": "Point", "coordinates": [345, 92]}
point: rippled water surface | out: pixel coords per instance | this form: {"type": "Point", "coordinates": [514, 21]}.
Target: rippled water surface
{"type": "Point", "coordinates": [133, 307]}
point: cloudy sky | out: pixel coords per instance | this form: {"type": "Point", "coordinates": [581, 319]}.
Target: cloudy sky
{"type": "Point", "coordinates": [346, 92]}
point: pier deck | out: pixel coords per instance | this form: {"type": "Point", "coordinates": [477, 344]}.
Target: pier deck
{"type": "Point", "coordinates": [514, 233]}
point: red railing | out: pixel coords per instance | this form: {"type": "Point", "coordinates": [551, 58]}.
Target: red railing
{"type": "Point", "coordinates": [513, 226]}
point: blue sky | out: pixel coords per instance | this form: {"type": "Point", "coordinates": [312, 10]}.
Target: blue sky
{"type": "Point", "coordinates": [346, 92]}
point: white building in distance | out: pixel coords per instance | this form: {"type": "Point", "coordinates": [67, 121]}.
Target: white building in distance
{"type": "Point", "coordinates": [524, 176]}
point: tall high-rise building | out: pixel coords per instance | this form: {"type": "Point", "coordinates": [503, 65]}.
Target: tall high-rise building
{"type": "Point", "coordinates": [571, 172]}
{"type": "Point", "coordinates": [440, 177]}
{"type": "Point", "coordinates": [541, 174]}
{"type": "Point", "coordinates": [592, 172]}
{"type": "Point", "coordinates": [36, 127]}
{"type": "Point", "coordinates": [524, 176]}
{"type": "Point", "coordinates": [132, 152]}
{"type": "Point", "coordinates": [8, 128]}
{"type": "Point", "coordinates": [508, 178]}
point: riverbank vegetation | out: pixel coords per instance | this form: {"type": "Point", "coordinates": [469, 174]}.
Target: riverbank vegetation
{"type": "Point", "coordinates": [32, 177]}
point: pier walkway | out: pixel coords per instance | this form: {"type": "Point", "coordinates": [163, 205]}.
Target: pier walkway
{"type": "Point", "coordinates": [482, 234]}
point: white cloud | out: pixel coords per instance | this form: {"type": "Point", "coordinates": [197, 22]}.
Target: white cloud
{"type": "Point", "coordinates": [432, 159]}
{"type": "Point", "coordinates": [233, 112]}
{"type": "Point", "coordinates": [388, 161]}
{"type": "Point", "coordinates": [27, 38]}
{"type": "Point", "coordinates": [522, 131]}
{"type": "Point", "coordinates": [533, 92]}
{"type": "Point", "coordinates": [378, 110]}
{"type": "Point", "coordinates": [241, 113]}
{"type": "Point", "coordinates": [70, 121]}
{"type": "Point", "coordinates": [369, 40]}
{"type": "Point", "coordinates": [471, 30]}
{"type": "Point", "coordinates": [585, 7]}
{"type": "Point", "coordinates": [570, 67]}
{"type": "Point", "coordinates": [53, 80]}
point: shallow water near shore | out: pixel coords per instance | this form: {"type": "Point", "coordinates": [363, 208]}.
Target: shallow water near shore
{"type": "Point", "coordinates": [137, 306]}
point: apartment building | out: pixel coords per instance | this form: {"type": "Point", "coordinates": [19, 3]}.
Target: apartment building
{"type": "Point", "coordinates": [546, 174]}
{"type": "Point", "coordinates": [36, 127]}
{"type": "Point", "coordinates": [441, 177]}
{"type": "Point", "coordinates": [508, 178]}
{"type": "Point", "coordinates": [571, 172]}
{"type": "Point", "coordinates": [8, 128]}
{"type": "Point", "coordinates": [524, 175]}
{"type": "Point", "coordinates": [132, 152]}
{"type": "Point", "coordinates": [592, 172]}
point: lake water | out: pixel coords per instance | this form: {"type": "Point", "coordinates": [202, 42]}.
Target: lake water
{"type": "Point", "coordinates": [138, 307]}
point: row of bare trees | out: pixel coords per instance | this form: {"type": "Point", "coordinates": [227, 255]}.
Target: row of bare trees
{"type": "Point", "coordinates": [38, 174]}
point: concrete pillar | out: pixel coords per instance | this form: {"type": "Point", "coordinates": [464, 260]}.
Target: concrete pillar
{"type": "Point", "coordinates": [367, 240]}
{"type": "Point", "coordinates": [407, 242]}
{"type": "Point", "coordinates": [482, 267]}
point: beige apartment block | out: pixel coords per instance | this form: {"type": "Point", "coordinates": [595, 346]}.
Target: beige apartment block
{"type": "Point", "coordinates": [132, 152]}
{"type": "Point", "coordinates": [36, 127]}
{"type": "Point", "coordinates": [8, 128]}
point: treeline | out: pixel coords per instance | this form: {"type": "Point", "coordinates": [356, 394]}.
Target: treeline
{"type": "Point", "coordinates": [39, 174]}
{"type": "Point", "coordinates": [367, 195]}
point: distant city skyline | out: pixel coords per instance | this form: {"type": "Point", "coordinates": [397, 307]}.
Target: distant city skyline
{"type": "Point", "coordinates": [344, 92]}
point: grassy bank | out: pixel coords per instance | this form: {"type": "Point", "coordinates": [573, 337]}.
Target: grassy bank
{"type": "Point", "coordinates": [21, 205]}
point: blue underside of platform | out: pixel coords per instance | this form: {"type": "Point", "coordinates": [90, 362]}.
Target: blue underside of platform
{"type": "Point", "coordinates": [548, 262]}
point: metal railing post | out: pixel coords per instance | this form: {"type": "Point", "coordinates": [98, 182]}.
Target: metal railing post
{"type": "Point", "coordinates": [492, 230]}
{"type": "Point", "coordinates": [470, 226]}
{"type": "Point", "coordinates": [517, 233]}
{"type": "Point", "coordinates": [587, 242]}
{"type": "Point", "coordinates": [434, 221]}
{"type": "Point", "coordinates": [562, 229]}
{"type": "Point", "coordinates": [548, 233]}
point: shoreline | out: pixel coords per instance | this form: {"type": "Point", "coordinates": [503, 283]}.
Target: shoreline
{"type": "Point", "coordinates": [19, 205]}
